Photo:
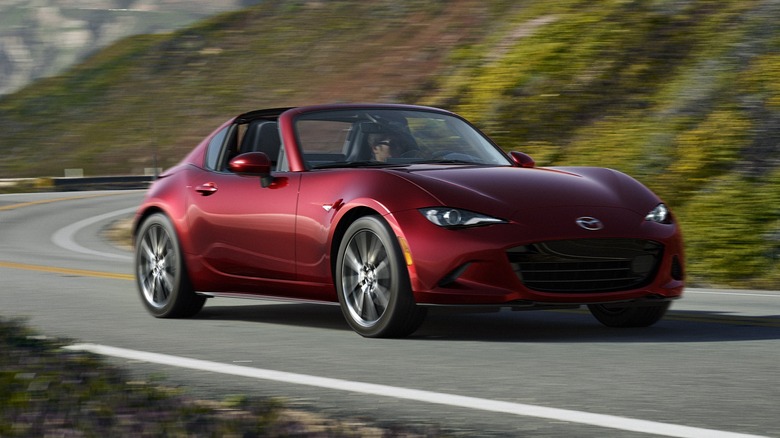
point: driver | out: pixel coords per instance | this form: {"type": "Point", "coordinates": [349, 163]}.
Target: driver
{"type": "Point", "coordinates": [385, 146]}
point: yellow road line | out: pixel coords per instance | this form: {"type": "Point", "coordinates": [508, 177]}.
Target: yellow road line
{"type": "Point", "coordinates": [56, 270]}
{"type": "Point", "coordinates": [66, 271]}
{"type": "Point", "coordinates": [48, 201]}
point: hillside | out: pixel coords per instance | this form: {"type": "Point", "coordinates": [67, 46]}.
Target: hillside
{"type": "Point", "coordinates": [683, 95]}
{"type": "Point", "coordinates": [41, 38]}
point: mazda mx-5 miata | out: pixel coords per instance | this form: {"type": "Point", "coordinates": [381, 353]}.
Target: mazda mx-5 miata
{"type": "Point", "coordinates": [391, 209]}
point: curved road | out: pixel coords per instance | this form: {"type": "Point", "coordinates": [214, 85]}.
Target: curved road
{"type": "Point", "coordinates": [711, 368]}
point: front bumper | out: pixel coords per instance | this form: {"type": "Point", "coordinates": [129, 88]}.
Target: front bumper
{"type": "Point", "coordinates": [544, 261]}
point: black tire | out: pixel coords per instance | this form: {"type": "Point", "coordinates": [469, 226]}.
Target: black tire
{"type": "Point", "coordinates": [373, 283]}
{"type": "Point", "coordinates": [629, 316]}
{"type": "Point", "coordinates": [160, 271]}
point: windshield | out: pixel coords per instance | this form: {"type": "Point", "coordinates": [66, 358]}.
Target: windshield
{"type": "Point", "coordinates": [392, 137]}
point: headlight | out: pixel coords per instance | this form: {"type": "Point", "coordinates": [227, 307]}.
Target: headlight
{"type": "Point", "coordinates": [659, 214]}
{"type": "Point", "coordinates": [455, 217]}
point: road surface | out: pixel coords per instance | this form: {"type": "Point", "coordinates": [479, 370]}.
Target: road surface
{"type": "Point", "coordinates": [710, 368]}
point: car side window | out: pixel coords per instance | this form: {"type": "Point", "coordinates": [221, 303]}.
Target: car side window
{"type": "Point", "coordinates": [261, 136]}
{"type": "Point", "coordinates": [214, 150]}
{"type": "Point", "coordinates": [323, 141]}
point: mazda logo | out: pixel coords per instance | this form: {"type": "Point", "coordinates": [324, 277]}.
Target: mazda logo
{"type": "Point", "coordinates": [590, 223]}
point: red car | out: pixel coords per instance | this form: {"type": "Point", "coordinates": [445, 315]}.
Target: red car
{"type": "Point", "coordinates": [390, 209]}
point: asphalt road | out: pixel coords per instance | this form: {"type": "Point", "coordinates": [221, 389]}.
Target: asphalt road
{"type": "Point", "coordinates": [710, 368]}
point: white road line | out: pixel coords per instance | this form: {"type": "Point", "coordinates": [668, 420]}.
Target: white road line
{"type": "Point", "coordinates": [601, 420]}
{"type": "Point", "coordinates": [65, 237]}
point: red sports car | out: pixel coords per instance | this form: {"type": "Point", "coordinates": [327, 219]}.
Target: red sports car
{"type": "Point", "coordinates": [390, 209]}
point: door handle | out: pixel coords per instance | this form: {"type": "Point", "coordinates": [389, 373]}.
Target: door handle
{"type": "Point", "coordinates": [207, 189]}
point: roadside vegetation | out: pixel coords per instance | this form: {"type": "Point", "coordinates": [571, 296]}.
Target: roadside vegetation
{"type": "Point", "coordinates": [683, 95]}
{"type": "Point", "coordinates": [46, 391]}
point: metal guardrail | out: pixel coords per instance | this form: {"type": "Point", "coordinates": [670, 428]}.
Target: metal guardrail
{"type": "Point", "coordinates": [101, 182]}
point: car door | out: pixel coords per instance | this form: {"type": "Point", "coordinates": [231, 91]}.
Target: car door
{"type": "Point", "coordinates": [240, 229]}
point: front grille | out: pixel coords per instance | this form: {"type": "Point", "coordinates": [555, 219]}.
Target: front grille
{"type": "Point", "coordinates": [586, 265]}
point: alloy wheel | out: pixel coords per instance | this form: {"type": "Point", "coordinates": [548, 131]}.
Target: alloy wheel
{"type": "Point", "coordinates": [157, 266]}
{"type": "Point", "coordinates": [366, 278]}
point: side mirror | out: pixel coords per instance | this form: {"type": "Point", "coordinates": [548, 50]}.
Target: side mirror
{"type": "Point", "coordinates": [522, 159]}
{"type": "Point", "coordinates": [253, 164]}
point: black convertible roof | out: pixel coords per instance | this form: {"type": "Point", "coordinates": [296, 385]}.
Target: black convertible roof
{"type": "Point", "coordinates": [271, 113]}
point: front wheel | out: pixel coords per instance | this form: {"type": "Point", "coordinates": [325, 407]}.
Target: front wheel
{"type": "Point", "coordinates": [372, 282]}
{"type": "Point", "coordinates": [160, 272]}
{"type": "Point", "coordinates": [629, 316]}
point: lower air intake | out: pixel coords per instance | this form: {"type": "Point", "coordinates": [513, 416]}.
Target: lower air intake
{"type": "Point", "coordinates": [586, 265]}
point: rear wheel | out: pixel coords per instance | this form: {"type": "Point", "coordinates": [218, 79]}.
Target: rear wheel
{"type": "Point", "coordinates": [629, 316]}
{"type": "Point", "coordinates": [160, 272]}
{"type": "Point", "coordinates": [372, 282]}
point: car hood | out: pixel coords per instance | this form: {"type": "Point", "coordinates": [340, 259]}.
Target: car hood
{"type": "Point", "coordinates": [504, 190]}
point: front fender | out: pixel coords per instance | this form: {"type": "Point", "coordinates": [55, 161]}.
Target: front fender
{"type": "Point", "coordinates": [332, 199]}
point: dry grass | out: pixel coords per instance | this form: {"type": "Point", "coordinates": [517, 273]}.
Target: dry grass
{"type": "Point", "coordinates": [46, 390]}
{"type": "Point", "coordinates": [120, 233]}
